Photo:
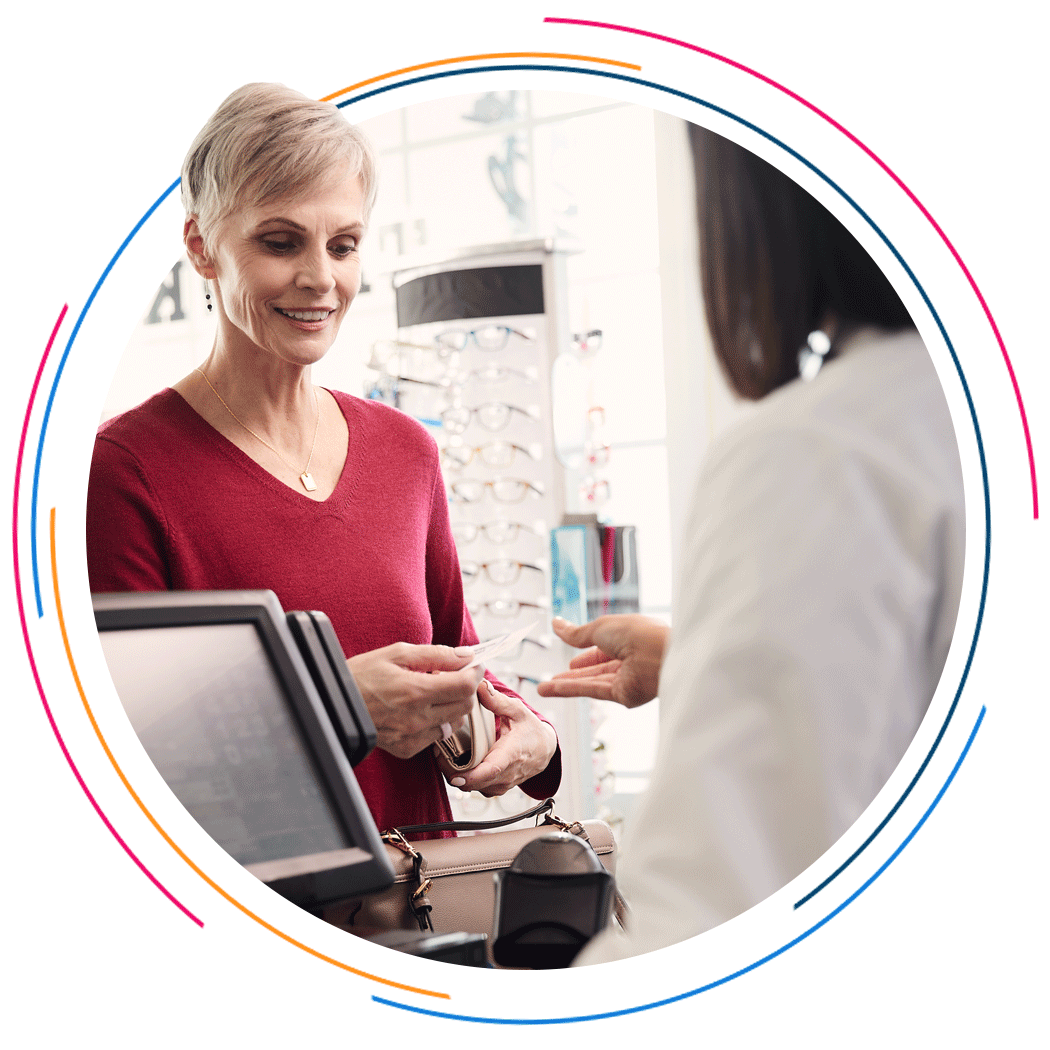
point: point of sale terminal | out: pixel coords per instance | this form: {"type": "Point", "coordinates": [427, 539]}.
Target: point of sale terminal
{"type": "Point", "coordinates": [253, 719]}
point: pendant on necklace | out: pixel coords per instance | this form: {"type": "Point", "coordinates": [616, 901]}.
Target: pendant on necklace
{"type": "Point", "coordinates": [308, 481]}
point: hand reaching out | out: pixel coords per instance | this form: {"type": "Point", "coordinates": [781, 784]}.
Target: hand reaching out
{"type": "Point", "coordinates": [622, 665]}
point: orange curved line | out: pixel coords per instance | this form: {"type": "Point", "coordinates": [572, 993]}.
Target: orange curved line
{"type": "Point", "coordinates": [167, 838]}
{"type": "Point", "coordinates": [479, 58]}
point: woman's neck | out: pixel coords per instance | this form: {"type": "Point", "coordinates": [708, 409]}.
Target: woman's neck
{"type": "Point", "coordinates": [271, 410]}
{"type": "Point", "coordinates": [262, 391]}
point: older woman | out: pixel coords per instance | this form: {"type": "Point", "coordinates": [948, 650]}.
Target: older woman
{"type": "Point", "coordinates": [244, 474]}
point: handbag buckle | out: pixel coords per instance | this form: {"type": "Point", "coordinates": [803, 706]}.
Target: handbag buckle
{"type": "Point", "coordinates": [394, 838]}
{"type": "Point", "coordinates": [575, 828]}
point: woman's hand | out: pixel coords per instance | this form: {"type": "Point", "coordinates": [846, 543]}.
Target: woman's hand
{"type": "Point", "coordinates": [411, 707]}
{"type": "Point", "coordinates": [525, 746]}
{"type": "Point", "coordinates": [623, 664]}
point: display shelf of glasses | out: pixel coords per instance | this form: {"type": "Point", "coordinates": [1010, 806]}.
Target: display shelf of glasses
{"type": "Point", "coordinates": [472, 360]}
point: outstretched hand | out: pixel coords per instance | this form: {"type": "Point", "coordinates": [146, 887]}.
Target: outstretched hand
{"type": "Point", "coordinates": [622, 663]}
{"type": "Point", "coordinates": [412, 707]}
{"type": "Point", "coordinates": [525, 746]}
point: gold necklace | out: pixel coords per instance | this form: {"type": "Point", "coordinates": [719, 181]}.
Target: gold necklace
{"type": "Point", "coordinates": [304, 476]}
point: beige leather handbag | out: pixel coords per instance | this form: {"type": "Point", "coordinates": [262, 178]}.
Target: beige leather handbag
{"type": "Point", "coordinates": [447, 885]}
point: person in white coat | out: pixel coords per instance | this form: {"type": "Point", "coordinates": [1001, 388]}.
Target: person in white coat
{"type": "Point", "coordinates": [822, 560]}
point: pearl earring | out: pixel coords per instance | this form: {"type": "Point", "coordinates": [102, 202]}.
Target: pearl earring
{"type": "Point", "coordinates": [811, 357]}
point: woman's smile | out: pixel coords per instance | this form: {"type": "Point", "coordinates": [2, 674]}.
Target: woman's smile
{"type": "Point", "coordinates": [305, 315]}
{"type": "Point", "coordinates": [307, 320]}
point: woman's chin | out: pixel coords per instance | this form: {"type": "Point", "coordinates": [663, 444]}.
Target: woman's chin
{"type": "Point", "coordinates": [297, 347]}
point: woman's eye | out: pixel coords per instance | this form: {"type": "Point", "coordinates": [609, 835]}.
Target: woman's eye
{"type": "Point", "coordinates": [343, 249]}
{"type": "Point", "coordinates": [279, 247]}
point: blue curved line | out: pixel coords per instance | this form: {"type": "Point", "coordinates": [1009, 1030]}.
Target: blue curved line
{"type": "Point", "coordinates": [54, 386]}
{"type": "Point", "coordinates": [973, 415]}
{"type": "Point", "coordinates": [929, 305]}
{"type": "Point", "coordinates": [737, 973]}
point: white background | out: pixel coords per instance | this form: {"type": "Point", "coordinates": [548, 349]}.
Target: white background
{"type": "Point", "coordinates": [945, 948]}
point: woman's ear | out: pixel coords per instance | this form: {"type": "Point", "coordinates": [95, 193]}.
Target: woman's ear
{"type": "Point", "coordinates": [194, 241]}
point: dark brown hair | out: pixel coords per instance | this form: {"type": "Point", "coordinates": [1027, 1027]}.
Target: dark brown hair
{"type": "Point", "coordinates": [775, 264]}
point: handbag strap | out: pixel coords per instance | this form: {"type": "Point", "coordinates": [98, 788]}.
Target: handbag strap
{"type": "Point", "coordinates": [542, 808]}
{"type": "Point", "coordinates": [418, 900]}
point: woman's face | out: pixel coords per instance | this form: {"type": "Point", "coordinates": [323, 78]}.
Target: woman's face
{"type": "Point", "coordinates": [286, 272]}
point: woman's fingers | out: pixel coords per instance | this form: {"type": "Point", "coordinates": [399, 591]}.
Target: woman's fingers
{"type": "Point", "coordinates": [591, 670]}
{"type": "Point", "coordinates": [562, 685]}
{"type": "Point", "coordinates": [590, 658]}
{"type": "Point", "coordinates": [450, 687]}
{"type": "Point", "coordinates": [487, 778]}
{"type": "Point", "coordinates": [511, 761]}
{"type": "Point", "coordinates": [596, 681]}
{"type": "Point", "coordinates": [409, 707]}
{"type": "Point", "coordinates": [428, 657]}
{"type": "Point", "coordinates": [577, 637]}
{"type": "Point", "coordinates": [623, 664]}
{"type": "Point", "coordinates": [498, 703]}
{"type": "Point", "coordinates": [524, 748]}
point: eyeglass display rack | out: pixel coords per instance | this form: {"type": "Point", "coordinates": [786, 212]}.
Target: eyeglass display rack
{"type": "Point", "coordinates": [478, 333]}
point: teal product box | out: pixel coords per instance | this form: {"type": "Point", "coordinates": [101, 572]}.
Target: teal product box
{"type": "Point", "coordinates": [594, 571]}
{"type": "Point", "coordinates": [569, 572]}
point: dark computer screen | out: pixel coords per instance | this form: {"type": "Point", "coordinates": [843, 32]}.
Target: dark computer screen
{"type": "Point", "coordinates": [212, 715]}
{"type": "Point", "coordinates": [216, 687]}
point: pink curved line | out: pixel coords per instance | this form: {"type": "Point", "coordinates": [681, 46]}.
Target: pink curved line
{"type": "Point", "coordinates": [29, 648]}
{"type": "Point", "coordinates": [886, 168]}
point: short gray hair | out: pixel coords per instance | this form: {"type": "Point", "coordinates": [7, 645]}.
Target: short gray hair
{"type": "Point", "coordinates": [265, 142]}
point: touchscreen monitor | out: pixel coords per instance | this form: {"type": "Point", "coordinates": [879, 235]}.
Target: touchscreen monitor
{"type": "Point", "coordinates": [225, 706]}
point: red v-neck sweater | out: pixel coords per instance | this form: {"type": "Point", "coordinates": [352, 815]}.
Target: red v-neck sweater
{"type": "Point", "coordinates": [173, 505]}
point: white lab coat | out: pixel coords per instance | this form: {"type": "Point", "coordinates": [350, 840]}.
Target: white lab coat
{"type": "Point", "coordinates": [823, 565]}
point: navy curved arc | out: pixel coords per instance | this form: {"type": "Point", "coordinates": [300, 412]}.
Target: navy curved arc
{"type": "Point", "coordinates": [929, 305]}
{"type": "Point", "coordinates": [729, 977]}
{"type": "Point", "coordinates": [54, 387]}
{"type": "Point", "coordinates": [973, 416]}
